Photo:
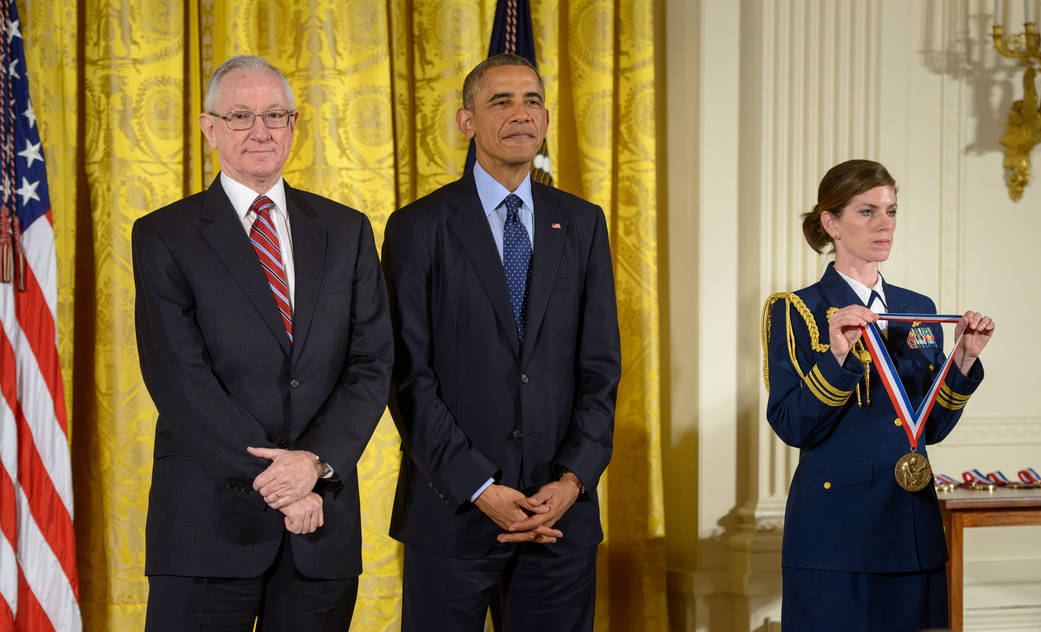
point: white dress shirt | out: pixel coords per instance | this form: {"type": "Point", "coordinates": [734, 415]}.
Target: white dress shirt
{"type": "Point", "coordinates": [863, 292]}
{"type": "Point", "coordinates": [493, 194]}
{"type": "Point", "coordinates": [242, 198]}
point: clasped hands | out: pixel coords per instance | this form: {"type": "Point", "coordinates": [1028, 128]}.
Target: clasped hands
{"type": "Point", "coordinates": [530, 518]}
{"type": "Point", "coordinates": [287, 484]}
{"type": "Point", "coordinates": [844, 329]}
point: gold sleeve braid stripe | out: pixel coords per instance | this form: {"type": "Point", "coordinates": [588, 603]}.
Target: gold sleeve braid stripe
{"type": "Point", "coordinates": [951, 400]}
{"type": "Point", "coordinates": [790, 299]}
{"type": "Point", "coordinates": [831, 390]}
{"type": "Point", "coordinates": [825, 392]}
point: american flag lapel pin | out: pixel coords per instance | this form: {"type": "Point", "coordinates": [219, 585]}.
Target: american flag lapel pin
{"type": "Point", "coordinates": [555, 225]}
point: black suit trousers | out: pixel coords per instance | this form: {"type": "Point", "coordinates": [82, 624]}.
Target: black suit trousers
{"type": "Point", "coordinates": [280, 600]}
{"type": "Point", "coordinates": [527, 587]}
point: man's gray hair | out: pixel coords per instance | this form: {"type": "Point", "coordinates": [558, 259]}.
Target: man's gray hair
{"type": "Point", "coordinates": [241, 62]}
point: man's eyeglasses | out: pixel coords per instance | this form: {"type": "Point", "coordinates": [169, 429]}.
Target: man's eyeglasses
{"type": "Point", "coordinates": [243, 120]}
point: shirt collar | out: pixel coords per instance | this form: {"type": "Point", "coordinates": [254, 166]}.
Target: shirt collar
{"type": "Point", "coordinates": [862, 291]}
{"type": "Point", "coordinates": [242, 197]}
{"type": "Point", "coordinates": [492, 192]}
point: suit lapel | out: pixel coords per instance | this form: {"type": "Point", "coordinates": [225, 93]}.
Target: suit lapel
{"type": "Point", "coordinates": [470, 225]}
{"type": "Point", "coordinates": [309, 243]}
{"type": "Point", "coordinates": [840, 294]}
{"type": "Point", "coordinates": [837, 291]}
{"type": "Point", "coordinates": [550, 231]}
{"type": "Point", "coordinates": [229, 241]}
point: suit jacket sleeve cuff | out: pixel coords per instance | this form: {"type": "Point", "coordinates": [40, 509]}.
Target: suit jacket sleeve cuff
{"type": "Point", "coordinates": [957, 388]}
{"type": "Point", "coordinates": [832, 383]}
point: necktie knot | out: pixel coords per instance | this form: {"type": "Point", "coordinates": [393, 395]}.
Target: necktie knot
{"type": "Point", "coordinates": [513, 204]}
{"type": "Point", "coordinates": [262, 206]}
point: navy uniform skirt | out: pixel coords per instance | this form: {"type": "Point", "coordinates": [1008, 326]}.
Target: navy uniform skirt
{"type": "Point", "coordinates": [826, 601]}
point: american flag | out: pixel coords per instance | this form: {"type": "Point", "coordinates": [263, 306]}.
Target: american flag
{"type": "Point", "coordinates": [39, 588]}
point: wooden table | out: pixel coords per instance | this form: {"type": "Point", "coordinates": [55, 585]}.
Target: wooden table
{"type": "Point", "coordinates": [976, 508]}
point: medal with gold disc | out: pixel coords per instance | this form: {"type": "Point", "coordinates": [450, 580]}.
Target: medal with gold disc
{"type": "Point", "coordinates": [912, 471]}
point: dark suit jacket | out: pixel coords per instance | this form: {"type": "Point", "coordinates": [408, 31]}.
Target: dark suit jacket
{"type": "Point", "coordinates": [469, 402]}
{"type": "Point", "coordinates": [219, 367]}
{"type": "Point", "coordinates": [862, 521]}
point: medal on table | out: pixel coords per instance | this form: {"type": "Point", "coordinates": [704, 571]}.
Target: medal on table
{"type": "Point", "coordinates": [912, 471]}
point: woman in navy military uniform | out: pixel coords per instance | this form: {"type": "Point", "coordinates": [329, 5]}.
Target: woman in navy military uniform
{"type": "Point", "coordinates": [860, 552]}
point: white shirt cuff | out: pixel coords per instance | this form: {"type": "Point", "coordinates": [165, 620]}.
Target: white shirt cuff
{"type": "Point", "coordinates": [487, 484]}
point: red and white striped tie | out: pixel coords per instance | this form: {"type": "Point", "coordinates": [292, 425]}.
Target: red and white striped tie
{"type": "Point", "coordinates": [269, 251]}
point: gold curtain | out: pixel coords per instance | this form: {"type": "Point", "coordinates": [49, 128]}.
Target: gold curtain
{"type": "Point", "coordinates": [117, 86]}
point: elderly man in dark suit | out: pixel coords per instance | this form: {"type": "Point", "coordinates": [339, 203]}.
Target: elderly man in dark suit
{"type": "Point", "coordinates": [265, 343]}
{"type": "Point", "coordinates": [506, 369]}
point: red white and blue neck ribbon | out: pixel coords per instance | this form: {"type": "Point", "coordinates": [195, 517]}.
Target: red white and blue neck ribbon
{"type": "Point", "coordinates": [912, 420]}
{"type": "Point", "coordinates": [943, 479]}
{"type": "Point", "coordinates": [1029, 476]}
{"type": "Point", "coordinates": [999, 478]}
{"type": "Point", "coordinates": [975, 476]}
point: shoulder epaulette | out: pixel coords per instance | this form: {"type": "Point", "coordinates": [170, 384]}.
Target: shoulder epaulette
{"type": "Point", "coordinates": [791, 300]}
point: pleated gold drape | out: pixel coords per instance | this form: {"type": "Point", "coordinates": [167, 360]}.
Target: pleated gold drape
{"type": "Point", "coordinates": [117, 86]}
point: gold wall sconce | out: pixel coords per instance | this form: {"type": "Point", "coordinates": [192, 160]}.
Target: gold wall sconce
{"type": "Point", "coordinates": [1023, 128]}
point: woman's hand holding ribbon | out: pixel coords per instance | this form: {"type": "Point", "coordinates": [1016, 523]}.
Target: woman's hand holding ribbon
{"type": "Point", "coordinates": [977, 330]}
{"type": "Point", "coordinates": [844, 329]}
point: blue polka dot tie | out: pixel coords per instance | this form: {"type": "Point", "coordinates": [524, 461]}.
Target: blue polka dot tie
{"type": "Point", "coordinates": [516, 260]}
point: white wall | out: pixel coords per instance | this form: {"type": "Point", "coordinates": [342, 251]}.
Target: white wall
{"type": "Point", "coordinates": [762, 97]}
